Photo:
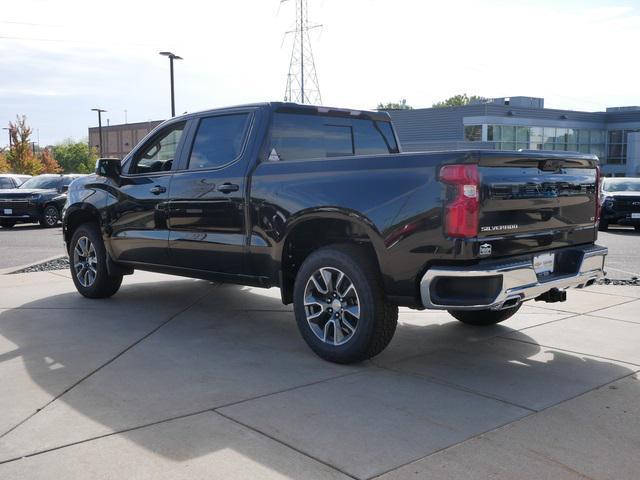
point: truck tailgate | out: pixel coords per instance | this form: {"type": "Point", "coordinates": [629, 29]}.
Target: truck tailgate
{"type": "Point", "coordinates": [550, 199]}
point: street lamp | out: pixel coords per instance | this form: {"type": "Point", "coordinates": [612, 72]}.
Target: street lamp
{"type": "Point", "coordinates": [100, 112]}
{"type": "Point", "coordinates": [10, 141]}
{"type": "Point", "coordinates": [172, 57]}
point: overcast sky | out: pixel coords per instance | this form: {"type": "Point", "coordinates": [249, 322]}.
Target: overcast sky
{"type": "Point", "coordinates": [59, 59]}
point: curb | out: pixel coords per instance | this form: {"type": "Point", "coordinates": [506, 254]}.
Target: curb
{"type": "Point", "coordinates": [7, 271]}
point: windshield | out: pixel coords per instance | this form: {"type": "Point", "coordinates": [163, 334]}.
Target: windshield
{"type": "Point", "coordinates": [43, 183]}
{"type": "Point", "coordinates": [628, 185]}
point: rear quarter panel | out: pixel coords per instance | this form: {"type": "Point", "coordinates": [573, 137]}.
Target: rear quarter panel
{"type": "Point", "coordinates": [396, 198]}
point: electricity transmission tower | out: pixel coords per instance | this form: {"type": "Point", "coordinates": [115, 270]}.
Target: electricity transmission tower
{"type": "Point", "coordinates": [302, 81]}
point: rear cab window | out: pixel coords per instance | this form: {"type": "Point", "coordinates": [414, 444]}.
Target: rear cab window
{"type": "Point", "coordinates": [306, 136]}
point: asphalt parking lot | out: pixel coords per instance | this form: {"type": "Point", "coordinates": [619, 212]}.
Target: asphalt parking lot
{"type": "Point", "coordinates": [25, 244]}
{"type": "Point", "coordinates": [177, 378]}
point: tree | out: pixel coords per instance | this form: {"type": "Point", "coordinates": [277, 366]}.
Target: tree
{"type": "Point", "coordinates": [75, 157]}
{"type": "Point", "coordinates": [401, 105]}
{"type": "Point", "coordinates": [49, 164]}
{"type": "Point", "coordinates": [21, 158]}
{"type": "Point", "coordinates": [458, 100]}
{"type": "Point", "coordinates": [4, 164]}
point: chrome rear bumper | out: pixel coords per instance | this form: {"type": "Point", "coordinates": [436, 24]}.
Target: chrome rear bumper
{"type": "Point", "coordinates": [517, 280]}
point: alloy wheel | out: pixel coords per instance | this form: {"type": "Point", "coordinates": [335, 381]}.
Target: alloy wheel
{"type": "Point", "coordinates": [85, 261]}
{"type": "Point", "coordinates": [332, 306]}
{"type": "Point", "coordinates": [51, 216]}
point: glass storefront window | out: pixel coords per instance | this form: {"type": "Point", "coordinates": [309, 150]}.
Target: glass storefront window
{"type": "Point", "coordinates": [522, 134]}
{"type": "Point", "coordinates": [597, 136]}
{"type": "Point", "coordinates": [493, 133]}
{"type": "Point", "coordinates": [508, 133]}
{"type": "Point", "coordinates": [615, 136]}
{"type": "Point", "coordinates": [509, 137]}
{"type": "Point", "coordinates": [473, 133]}
{"type": "Point", "coordinates": [583, 136]}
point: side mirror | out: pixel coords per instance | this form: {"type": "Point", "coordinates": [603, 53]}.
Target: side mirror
{"type": "Point", "coordinates": [64, 188]}
{"type": "Point", "coordinates": [109, 167]}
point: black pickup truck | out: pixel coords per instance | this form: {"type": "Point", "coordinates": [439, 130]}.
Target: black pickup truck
{"type": "Point", "coordinates": [321, 203]}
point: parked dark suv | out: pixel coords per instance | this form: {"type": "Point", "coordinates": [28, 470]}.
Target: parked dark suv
{"type": "Point", "coordinates": [38, 200]}
{"type": "Point", "coordinates": [321, 203]}
{"type": "Point", "coordinates": [620, 202]}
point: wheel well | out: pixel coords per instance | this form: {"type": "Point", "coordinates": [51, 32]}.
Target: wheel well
{"type": "Point", "coordinates": [311, 235]}
{"type": "Point", "coordinates": [76, 219]}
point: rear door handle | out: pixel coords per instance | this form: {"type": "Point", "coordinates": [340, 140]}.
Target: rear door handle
{"type": "Point", "coordinates": [228, 188]}
{"type": "Point", "coordinates": [158, 189]}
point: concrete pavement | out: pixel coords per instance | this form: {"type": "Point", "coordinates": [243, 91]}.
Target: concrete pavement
{"type": "Point", "coordinates": [178, 378]}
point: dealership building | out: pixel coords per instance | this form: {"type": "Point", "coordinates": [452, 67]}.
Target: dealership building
{"type": "Point", "coordinates": [510, 123]}
{"type": "Point", "coordinates": [514, 123]}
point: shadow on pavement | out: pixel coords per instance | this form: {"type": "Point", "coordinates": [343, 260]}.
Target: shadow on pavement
{"type": "Point", "coordinates": [228, 344]}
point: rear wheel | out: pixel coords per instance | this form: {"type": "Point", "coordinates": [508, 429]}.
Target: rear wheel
{"type": "Point", "coordinates": [88, 262]}
{"type": "Point", "coordinates": [340, 306]}
{"type": "Point", "coordinates": [50, 217]}
{"type": "Point", "coordinates": [484, 317]}
{"type": "Point", "coordinates": [7, 223]}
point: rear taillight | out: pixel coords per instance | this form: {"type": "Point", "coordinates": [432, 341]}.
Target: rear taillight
{"type": "Point", "coordinates": [597, 215]}
{"type": "Point", "coordinates": [462, 203]}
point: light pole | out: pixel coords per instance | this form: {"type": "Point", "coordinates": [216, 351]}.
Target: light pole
{"type": "Point", "coordinates": [100, 112]}
{"type": "Point", "coordinates": [172, 57]}
{"type": "Point", "coordinates": [10, 141]}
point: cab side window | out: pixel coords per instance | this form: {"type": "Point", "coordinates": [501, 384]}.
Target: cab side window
{"type": "Point", "coordinates": [218, 141]}
{"type": "Point", "coordinates": [158, 155]}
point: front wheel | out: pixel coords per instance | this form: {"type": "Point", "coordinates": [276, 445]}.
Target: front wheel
{"type": "Point", "coordinates": [88, 263]}
{"type": "Point", "coordinates": [340, 306]}
{"type": "Point", "coordinates": [50, 217]}
{"type": "Point", "coordinates": [484, 317]}
{"type": "Point", "coordinates": [603, 226]}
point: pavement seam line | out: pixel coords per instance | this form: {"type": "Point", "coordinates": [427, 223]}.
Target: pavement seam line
{"type": "Point", "coordinates": [280, 442]}
{"type": "Point", "coordinates": [503, 425]}
{"type": "Point", "coordinates": [170, 419]}
{"type": "Point", "coordinates": [100, 367]}
{"type": "Point", "coordinates": [456, 386]}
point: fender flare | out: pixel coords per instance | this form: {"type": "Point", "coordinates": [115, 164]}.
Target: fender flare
{"type": "Point", "coordinates": [334, 213]}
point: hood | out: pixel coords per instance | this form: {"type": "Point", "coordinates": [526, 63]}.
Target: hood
{"type": "Point", "coordinates": [621, 194]}
{"type": "Point", "coordinates": [26, 192]}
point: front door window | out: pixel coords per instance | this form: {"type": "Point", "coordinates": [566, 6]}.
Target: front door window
{"type": "Point", "coordinates": [159, 153]}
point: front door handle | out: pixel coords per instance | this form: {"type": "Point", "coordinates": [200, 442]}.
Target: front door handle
{"type": "Point", "coordinates": [228, 188]}
{"type": "Point", "coordinates": [158, 189]}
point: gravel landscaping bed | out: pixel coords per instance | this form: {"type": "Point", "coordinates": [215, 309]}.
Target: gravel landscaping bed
{"type": "Point", "coordinates": [61, 263]}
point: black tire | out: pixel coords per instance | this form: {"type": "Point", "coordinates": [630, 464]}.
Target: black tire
{"type": "Point", "coordinates": [50, 217]}
{"type": "Point", "coordinates": [603, 226]}
{"type": "Point", "coordinates": [7, 223]}
{"type": "Point", "coordinates": [377, 318]}
{"type": "Point", "coordinates": [484, 317]}
{"type": "Point", "coordinates": [103, 284]}
{"type": "Point", "coordinates": [637, 227]}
